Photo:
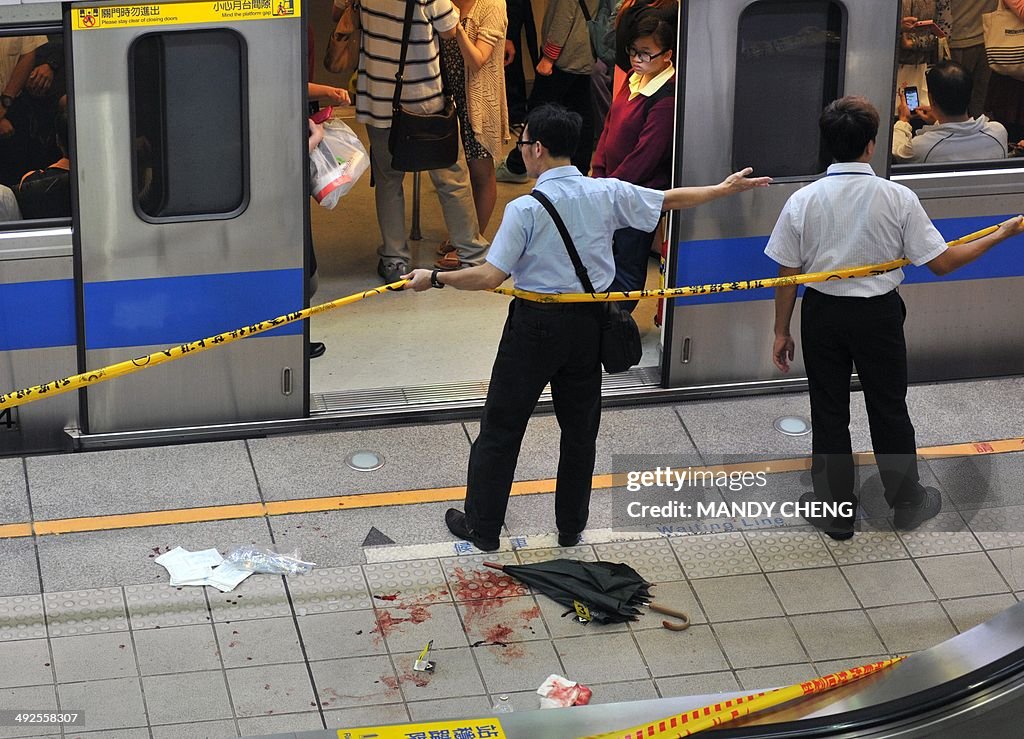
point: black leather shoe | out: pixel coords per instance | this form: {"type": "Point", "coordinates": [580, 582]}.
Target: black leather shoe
{"type": "Point", "coordinates": [839, 529]}
{"type": "Point", "coordinates": [908, 518]}
{"type": "Point", "coordinates": [316, 349]}
{"type": "Point", "coordinates": [456, 522]}
{"type": "Point", "coordinates": [568, 540]}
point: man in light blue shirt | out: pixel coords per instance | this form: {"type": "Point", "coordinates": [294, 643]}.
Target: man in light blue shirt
{"type": "Point", "coordinates": [552, 342]}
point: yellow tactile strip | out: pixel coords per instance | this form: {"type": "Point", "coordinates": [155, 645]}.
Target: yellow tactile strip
{"type": "Point", "coordinates": [432, 495]}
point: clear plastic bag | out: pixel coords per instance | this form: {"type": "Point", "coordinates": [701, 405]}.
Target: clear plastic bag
{"type": "Point", "coordinates": [337, 162]}
{"type": "Point", "coordinates": [258, 559]}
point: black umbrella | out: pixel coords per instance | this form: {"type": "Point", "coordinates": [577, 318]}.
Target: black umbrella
{"type": "Point", "coordinates": [610, 590]}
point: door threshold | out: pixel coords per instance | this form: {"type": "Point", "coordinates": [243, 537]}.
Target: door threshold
{"type": "Point", "coordinates": [441, 402]}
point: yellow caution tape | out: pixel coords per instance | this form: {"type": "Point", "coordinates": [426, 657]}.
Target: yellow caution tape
{"type": "Point", "coordinates": [77, 382]}
{"type": "Point", "coordinates": [723, 287]}
{"type": "Point", "coordinates": [716, 714]}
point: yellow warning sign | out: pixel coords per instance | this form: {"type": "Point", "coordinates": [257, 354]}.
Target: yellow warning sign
{"type": "Point", "coordinates": [480, 728]}
{"type": "Point", "coordinates": [167, 14]}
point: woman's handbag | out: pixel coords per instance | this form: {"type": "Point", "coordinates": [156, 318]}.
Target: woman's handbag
{"type": "Point", "coordinates": [1004, 41]}
{"type": "Point", "coordinates": [342, 54]}
{"type": "Point", "coordinates": [421, 141]}
{"type": "Point", "coordinates": [620, 337]}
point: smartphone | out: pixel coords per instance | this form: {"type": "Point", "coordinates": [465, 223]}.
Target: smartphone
{"type": "Point", "coordinates": [913, 101]}
{"type": "Point", "coordinates": [929, 27]}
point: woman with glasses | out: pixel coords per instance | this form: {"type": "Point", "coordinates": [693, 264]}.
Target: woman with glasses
{"type": "Point", "coordinates": [636, 142]}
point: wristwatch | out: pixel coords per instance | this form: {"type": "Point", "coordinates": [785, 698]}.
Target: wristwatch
{"type": "Point", "coordinates": [434, 282]}
{"type": "Point", "coordinates": [6, 100]}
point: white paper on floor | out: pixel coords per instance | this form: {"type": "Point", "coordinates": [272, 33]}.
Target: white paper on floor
{"type": "Point", "coordinates": [202, 568]}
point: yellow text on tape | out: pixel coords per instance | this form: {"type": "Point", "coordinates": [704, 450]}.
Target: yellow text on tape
{"type": "Point", "coordinates": [480, 728]}
{"type": "Point", "coordinates": [173, 14]}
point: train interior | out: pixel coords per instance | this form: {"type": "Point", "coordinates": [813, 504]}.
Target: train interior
{"type": "Point", "coordinates": [91, 623]}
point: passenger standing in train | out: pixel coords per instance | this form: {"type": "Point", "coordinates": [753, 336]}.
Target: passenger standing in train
{"type": "Point", "coordinates": [520, 21]}
{"type": "Point", "coordinates": [967, 45]}
{"type": "Point", "coordinates": [636, 141]}
{"type": "Point", "coordinates": [1005, 98]}
{"type": "Point", "coordinates": [556, 343]}
{"type": "Point", "coordinates": [563, 76]}
{"type": "Point", "coordinates": [17, 60]}
{"type": "Point", "coordinates": [476, 77]}
{"type": "Point", "coordinates": [954, 136]}
{"type": "Point", "coordinates": [920, 46]}
{"type": "Point", "coordinates": [852, 218]}
{"type": "Point", "coordinates": [382, 22]}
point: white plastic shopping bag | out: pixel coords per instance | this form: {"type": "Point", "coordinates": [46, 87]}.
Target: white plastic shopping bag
{"type": "Point", "coordinates": [336, 163]}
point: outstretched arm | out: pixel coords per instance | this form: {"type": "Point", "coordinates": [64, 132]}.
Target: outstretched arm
{"type": "Point", "coordinates": [958, 256]}
{"type": "Point", "coordinates": [679, 198]}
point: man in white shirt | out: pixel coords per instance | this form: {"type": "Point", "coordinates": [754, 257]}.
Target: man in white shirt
{"type": "Point", "coordinates": [852, 218]}
{"type": "Point", "coordinates": [955, 136]}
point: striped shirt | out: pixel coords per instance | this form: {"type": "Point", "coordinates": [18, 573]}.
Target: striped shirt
{"type": "Point", "coordinates": [851, 218]}
{"type": "Point", "coordinates": [381, 49]}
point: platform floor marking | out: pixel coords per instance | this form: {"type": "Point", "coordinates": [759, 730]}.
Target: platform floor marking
{"type": "Point", "coordinates": [431, 495]}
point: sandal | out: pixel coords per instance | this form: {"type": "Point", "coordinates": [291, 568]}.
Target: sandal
{"type": "Point", "coordinates": [445, 247]}
{"type": "Point", "coordinates": [449, 261]}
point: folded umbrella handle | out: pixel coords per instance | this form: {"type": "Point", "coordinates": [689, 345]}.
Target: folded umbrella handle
{"type": "Point", "coordinates": [683, 618]}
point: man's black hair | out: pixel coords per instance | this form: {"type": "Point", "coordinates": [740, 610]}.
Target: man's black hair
{"type": "Point", "coordinates": [556, 127]}
{"type": "Point", "coordinates": [847, 125]}
{"type": "Point", "coordinates": [949, 87]}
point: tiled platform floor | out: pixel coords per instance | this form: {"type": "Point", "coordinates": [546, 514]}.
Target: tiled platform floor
{"type": "Point", "coordinates": [87, 621]}
{"type": "Point", "coordinates": [335, 648]}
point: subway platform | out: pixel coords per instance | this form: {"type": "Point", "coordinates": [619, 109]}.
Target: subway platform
{"type": "Point", "coordinates": [89, 623]}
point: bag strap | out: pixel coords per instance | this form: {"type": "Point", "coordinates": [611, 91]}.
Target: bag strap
{"type": "Point", "coordinates": [577, 263]}
{"type": "Point", "coordinates": [586, 13]}
{"type": "Point", "coordinates": [396, 101]}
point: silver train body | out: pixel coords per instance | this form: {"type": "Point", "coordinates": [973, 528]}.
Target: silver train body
{"type": "Point", "coordinates": [189, 218]}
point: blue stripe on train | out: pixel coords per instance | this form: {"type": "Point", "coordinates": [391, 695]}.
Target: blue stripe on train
{"type": "Point", "coordinates": [724, 260]}
{"type": "Point", "coordinates": [172, 310]}
{"type": "Point", "coordinates": [35, 315]}
{"type": "Point", "coordinates": [160, 311]}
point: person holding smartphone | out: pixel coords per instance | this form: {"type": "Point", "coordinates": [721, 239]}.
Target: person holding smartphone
{"type": "Point", "coordinates": [953, 135]}
{"type": "Point", "coordinates": [924, 26]}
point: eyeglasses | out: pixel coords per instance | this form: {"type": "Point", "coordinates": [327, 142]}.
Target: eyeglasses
{"type": "Point", "coordinates": [525, 142]}
{"type": "Point", "coordinates": [642, 56]}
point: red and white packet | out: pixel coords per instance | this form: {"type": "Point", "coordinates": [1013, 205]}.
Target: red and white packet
{"type": "Point", "coordinates": [560, 692]}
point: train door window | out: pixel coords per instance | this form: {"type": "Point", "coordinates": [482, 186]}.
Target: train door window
{"type": "Point", "coordinates": [190, 144]}
{"type": "Point", "coordinates": [34, 164]}
{"type": "Point", "coordinates": [788, 68]}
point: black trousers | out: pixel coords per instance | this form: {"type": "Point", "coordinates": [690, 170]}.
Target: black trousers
{"type": "Point", "coordinates": [838, 333]}
{"type": "Point", "coordinates": [575, 93]}
{"type": "Point", "coordinates": [541, 343]}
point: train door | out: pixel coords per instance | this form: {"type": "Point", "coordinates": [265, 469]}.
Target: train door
{"type": "Point", "coordinates": [190, 172]}
{"type": "Point", "coordinates": [758, 74]}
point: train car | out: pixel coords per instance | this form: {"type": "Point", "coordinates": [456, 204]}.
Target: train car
{"type": "Point", "coordinates": [189, 217]}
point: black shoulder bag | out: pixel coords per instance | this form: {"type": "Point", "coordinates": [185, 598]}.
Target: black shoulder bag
{"type": "Point", "coordinates": [620, 337]}
{"type": "Point", "coordinates": [421, 141]}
